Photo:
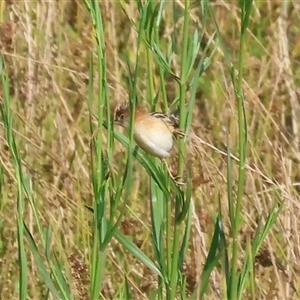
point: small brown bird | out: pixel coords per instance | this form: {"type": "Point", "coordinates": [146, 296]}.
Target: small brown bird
{"type": "Point", "coordinates": [153, 132]}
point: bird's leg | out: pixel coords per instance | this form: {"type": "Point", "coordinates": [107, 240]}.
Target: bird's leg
{"type": "Point", "coordinates": [175, 178]}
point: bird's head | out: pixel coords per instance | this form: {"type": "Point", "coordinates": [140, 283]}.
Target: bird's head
{"type": "Point", "coordinates": [122, 115]}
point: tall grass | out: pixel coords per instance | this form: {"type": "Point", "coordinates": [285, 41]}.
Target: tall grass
{"type": "Point", "coordinates": [168, 242]}
{"type": "Point", "coordinates": [24, 183]}
{"type": "Point", "coordinates": [166, 198]}
{"type": "Point", "coordinates": [7, 120]}
{"type": "Point", "coordinates": [238, 270]}
{"type": "Point", "coordinates": [163, 73]}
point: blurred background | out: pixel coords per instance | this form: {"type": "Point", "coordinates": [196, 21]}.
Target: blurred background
{"type": "Point", "coordinates": [47, 48]}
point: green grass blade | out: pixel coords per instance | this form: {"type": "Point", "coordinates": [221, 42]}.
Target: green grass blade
{"type": "Point", "coordinates": [41, 266]}
{"type": "Point", "coordinates": [137, 252]}
{"type": "Point", "coordinates": [23, 276]}
{"type": "Point", "coordinates": [8, 126]}
{"type": "Point", "coordinates": [213, 257]}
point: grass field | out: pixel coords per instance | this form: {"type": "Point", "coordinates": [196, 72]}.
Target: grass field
{"type": "Point", "coordinates": [85, 214]}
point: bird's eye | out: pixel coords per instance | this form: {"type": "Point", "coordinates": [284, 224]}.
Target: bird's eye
{"type": "Point", "coordinates": [121, 117]}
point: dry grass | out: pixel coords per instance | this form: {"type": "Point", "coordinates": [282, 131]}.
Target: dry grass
{"type": "Point", "coordinates": [47, 47]}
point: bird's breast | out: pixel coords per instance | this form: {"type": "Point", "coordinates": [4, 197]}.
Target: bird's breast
{"type": "Point", "coordinates": [155, 139]}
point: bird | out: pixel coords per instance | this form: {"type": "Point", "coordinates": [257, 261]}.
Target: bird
{"type": "Point", "coordinates": [154, 132]}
